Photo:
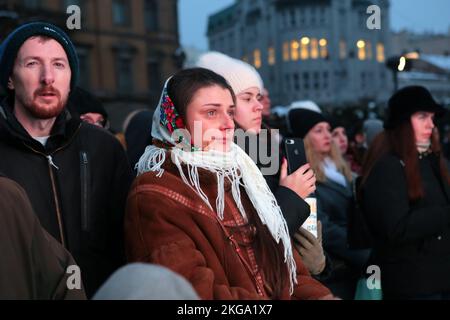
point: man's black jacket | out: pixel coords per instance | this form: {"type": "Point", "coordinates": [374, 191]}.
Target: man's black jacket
{"type": "Point", "coordinates": [77, 184]}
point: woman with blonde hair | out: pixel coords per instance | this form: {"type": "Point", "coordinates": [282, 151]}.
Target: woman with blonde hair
{"type": "Point", "coordinates": [334, 198]}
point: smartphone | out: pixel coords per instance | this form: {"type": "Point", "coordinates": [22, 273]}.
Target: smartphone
{"type": "Point", "coordinates": [294, 150]}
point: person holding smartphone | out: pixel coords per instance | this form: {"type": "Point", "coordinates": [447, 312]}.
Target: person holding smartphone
{"type": "Point", "coordinates": [290, 188]}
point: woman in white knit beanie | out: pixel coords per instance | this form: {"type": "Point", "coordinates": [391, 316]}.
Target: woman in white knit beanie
{"type": "Point", "coordinates": [246, 84]}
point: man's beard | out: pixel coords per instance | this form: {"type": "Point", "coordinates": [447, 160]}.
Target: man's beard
{"type": "Point", "coordinates": [44, 111]}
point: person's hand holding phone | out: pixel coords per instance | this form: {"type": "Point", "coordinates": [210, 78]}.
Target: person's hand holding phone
{"type": "Point", "coordinates": [310, 249]}
{"type": "Point", "coordinates": [302, 181]}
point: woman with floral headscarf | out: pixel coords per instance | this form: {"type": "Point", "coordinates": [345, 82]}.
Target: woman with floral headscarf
{"type": "Point", "coordinates": [201, 207]}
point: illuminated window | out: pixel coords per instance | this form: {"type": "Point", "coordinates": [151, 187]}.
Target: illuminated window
{"type": "Point", "coordinates": [314, 48]}
{"type": "Point", "coordinates": [304, 51]}
{"type": "Point", "coordinates": [380, 53]}
{"type": "Point", "coordinates": [323, 48]}
{"type": "Point", "coordinates": [294, 50]}
{"type": "Point", "coordinates": [271, 56]}
{"type": "Point", "coordinates": [369, 50]}
{"type": "Point", "coordinates": [342, 49]}
{"type": "Point", "coordinates": [286, 51]}
{"type": "Point", "coordinates": [361, 44]}
{"type": "Point", "coordinates": [257, 58]}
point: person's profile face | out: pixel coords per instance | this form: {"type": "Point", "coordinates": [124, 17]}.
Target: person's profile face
{"type": "Point", "coordinates": [93, 118]}
{"type": "Point", "coordinates": [210, 118]}
{"type": "Point", "coordinates": [266, 103]}
{"type": "Point", "coordinates": [339, 136]}
{"type": "Point", "coordinates": [249, 110]}
{"type": "Point", "coordinates": [423, 125]}
{"type": "Point", "coordinates": [320, 138]}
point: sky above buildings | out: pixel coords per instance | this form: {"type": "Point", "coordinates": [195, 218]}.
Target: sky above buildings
{"type": "Point", "coordinates": [415, 15]}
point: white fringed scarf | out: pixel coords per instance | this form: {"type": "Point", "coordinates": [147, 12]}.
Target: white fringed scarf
{"type": "Point", "coordinates": [234, 165]}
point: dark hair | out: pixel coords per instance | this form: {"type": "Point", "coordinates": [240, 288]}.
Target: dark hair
{"type": "Point", "coordinates": [400, 141]}
{"type": "Point", "coordinates": [269, 255]}
{"type": "Point", "coordinates": [185, 83]}
{"type": "Point", "coordinates": [270, 259]}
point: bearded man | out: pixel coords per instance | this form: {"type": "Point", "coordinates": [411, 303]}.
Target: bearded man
{"type": "Point", "coordinates": [76, 175]}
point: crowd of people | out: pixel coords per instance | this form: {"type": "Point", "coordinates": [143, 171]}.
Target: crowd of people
{"type": "Point", "coordinates": [179, 200]}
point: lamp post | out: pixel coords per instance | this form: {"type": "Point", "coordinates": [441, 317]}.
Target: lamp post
{"type": "Point", "coordinates": [398, 64]}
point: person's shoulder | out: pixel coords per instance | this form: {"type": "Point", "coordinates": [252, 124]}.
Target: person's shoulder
{"type": "Point", "coordinates": [163, 195]}
{"type": "Point", "coordinates": [167, 184]}
{"type": "Point", "coordinates": [388, 168]}
{"type": "Point", "coordinates": [154, 180]}
{"type": "Point", "coordinates": [98, 136]}
{"type": "Point", "coordinates": [10, 188]}
{"type": "Point", "coordinates": [92, 130]}
{"type": "Point", "coordinates": [148, 179]}
{"type": "Point", "coordinates": [389, 161]}
{"type": "Point", "coordinates": [7, 183]}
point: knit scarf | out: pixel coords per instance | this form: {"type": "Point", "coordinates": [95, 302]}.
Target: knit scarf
{"type": "Point", "coordinates": [332, 173]}
{"type": "Point", "coordinates": [234, 165]}
{"type": "Point", "coordinates": [423, 147]}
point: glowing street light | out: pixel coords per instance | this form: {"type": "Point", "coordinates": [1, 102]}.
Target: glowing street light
{"type": "Point", "coordinates": [305, 40]}
{"type": "Point", "coordinates": [361, 44]}
{"type": "Point", "coordinates": [402, 64]}
{"type": "Point", "coordinates": [398, 64]}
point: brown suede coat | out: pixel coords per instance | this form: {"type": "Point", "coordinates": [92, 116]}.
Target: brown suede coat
{"type": "Point", "coordinates": [167, 223]}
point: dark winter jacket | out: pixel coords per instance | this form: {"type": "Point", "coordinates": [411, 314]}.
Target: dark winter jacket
{"type": "Point", "coordinates": [77, 185]}
{"type": "Point", "coordinates": [333, 203]}
{"type": "Point", "coordinates": [346, 265]}
{"type": "Point", "coordinates": [33, 264]}
{"type": "Point", "coordinates": [138, 135]}
{"type": "Point", "coordinates": [412, 240]}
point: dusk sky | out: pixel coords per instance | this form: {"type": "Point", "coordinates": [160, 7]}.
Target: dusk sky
{"type": "Point", "coordinates": [415, 15]}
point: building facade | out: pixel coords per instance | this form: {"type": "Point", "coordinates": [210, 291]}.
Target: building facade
{"type": "Point", "coordinates": [126, 48]}
{"type": "Point", "coordinates": [320, 50]}
{"type": "Point", "coordinates": [431, 44]}
{"type": "Point", "coordinates": [431, 63]}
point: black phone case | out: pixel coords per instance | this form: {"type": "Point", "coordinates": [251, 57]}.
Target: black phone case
{"type": "Point", "coordinates": [295, 153]}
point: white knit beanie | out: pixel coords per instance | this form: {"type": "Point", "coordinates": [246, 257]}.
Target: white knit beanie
{"type": "Point", "coordinates": [239, 74]}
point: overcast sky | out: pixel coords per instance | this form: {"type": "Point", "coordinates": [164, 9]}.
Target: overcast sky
{"type": "Point", "coordinates": [415, 15]}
